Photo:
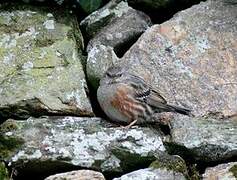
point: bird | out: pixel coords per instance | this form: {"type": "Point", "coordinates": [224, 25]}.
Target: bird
{"type": "Point", "coordinates": [128, 99]}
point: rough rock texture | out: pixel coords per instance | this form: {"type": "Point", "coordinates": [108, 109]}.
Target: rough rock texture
{"type": "Point", "coordinates": [83, 142]}
{"type": "Point", "coordinates": [223, 171]}
{"type": "Point", "coordinates": [40, 70]}
{"type": "Point", "coordinates": [87, 6]}
{"type": "Point", "coordinates": [59, 2]}
{"type": "Point", "coordinates": [127, 25]}
{"type": "Point", "coordinates": [96, 21]}
{"type": "Point", "coordinates": [207, 139]}
{"type": "Point", "coordinates": [100, 58]}
{"type": "Point", "coordinates": [152, 174]}
{"type": "Point", "coordinates": [114, 27]}
{"type": "Point", "coordinates": [172, 163]}
{"type": "Point", "coordinates": [78, 175]}
{"type": "Point", "coordinates": [191, 58]}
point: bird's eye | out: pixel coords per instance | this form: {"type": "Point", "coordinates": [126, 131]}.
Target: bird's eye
{"type": "Point", "coordinates": [113, 75]}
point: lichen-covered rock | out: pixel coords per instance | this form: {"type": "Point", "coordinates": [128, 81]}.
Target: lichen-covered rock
{"type": "Point", "coordinates": [59, 2]}
{"type": "Point", "coordinates": [113, 28]}
{"type": "Point", "coordinates": [40, 70]}
{"type": "Point", "coordinates": [78, 175]}
{"type": "Point", "coordinates": [172, 163]}
{"type": "Point", "coordinates": [223, 171]}
{"type": "Point", "coordinates": [100, 58]}
{"type": "Point", "coordinates": [93, 23]}
{"type": "Point", "coordinates": [87, 6]}
{"type": "Point", "coordinates": [83, 142]}
{"type": "Point", "coordinates": [3, 172]}
{"type": "Point", "coordinates": [206, 139]}
{"type": "Point", "coordinates": [152, 174]}
{"type": "Point", "coordinates": [191, 58]}
{"type": "Point", "coordinates": [127, 25]}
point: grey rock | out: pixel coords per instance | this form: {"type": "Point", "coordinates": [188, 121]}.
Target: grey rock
{"type": "Point", "coordinates": [191, 59]}
{"type": "Point", "coordinates": [112, 27]}
{"type": "Point", "coordinates": [173, 163]}
{"type": "Point", "coordinates": [78, 175]}
{"type": "Point", "coordinates": [41, 71]}
{"type": "Point", "coordinates": [152, 174]}
{"type": "Point", "coordinates": [226, 171]}
{"type": "Point", "coordinates": [122, 30]}
{"type": "Point", "coordinates": [96, 21]}
{"type": "Point", "coordinates": [127, 25]}
{"type": "Point", "coordinates": [100, 58]}
{"type": "Point", "coordinates": [206, 139]}
{"type": "Point", "coordinates": [82, 142]}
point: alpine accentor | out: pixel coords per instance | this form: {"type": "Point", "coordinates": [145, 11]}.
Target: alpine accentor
{"type": "Point", "coordinates": [127, 98]}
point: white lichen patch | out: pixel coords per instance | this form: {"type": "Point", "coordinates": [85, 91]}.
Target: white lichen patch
{"type": "Point", "coordinates": [111, 163]}
{"type": "Point", "coordinates": [9, 59]}
{"type": "Point", "coordinates": [49, 15]}
{"type": "Point", "coordinates": [49, 24]}
{"type": "Point", "coordinates": [85, 142]}
{"type": "Point", "coordinates": [121, 8]}
{"type": "Point", "coordinates": [7, 41]}
{"type": "Point", "coordinates": [27, 66]}
{"type": "Point", "coordinates": [9, 133]}
{"type": "Point", "coordinates": [144, 144]}
{"type": "Point", "coordinates": [23, 155]}
{"type": "Point", "coordinates": [75, 96]}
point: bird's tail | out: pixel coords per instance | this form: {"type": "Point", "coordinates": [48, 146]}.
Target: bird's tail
{"type": "Point", "coordinates": [180, 110]}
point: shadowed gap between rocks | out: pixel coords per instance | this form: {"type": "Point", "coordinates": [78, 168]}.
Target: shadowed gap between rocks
{"type": "Point", "coordinates": [166, 11]}
{"type": "Point", "coordinates": [192, 164]}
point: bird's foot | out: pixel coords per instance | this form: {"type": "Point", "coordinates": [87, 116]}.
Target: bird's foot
{"type": "Point", "coordinates": [130, 125]}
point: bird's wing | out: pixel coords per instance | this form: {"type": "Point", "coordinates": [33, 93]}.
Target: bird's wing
{"type": "Point", "coordinates": [145, 92]}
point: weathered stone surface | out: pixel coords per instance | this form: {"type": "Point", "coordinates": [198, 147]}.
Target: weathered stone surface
{"type": "Point", "coordinates": [83, 142]}
{"type": "Point", "coordinates": [152, 174]}
{"type": "Point", "coordinates": [113, 27]}
{"type": "Point", "coordinates": [59, 2]}
{"type": "Point", "coordinates": [93, 23]}
{"type": "Point", "coordinates": [191, 58]}
{"type": "Point", "coordinates": [100, 58]}
{"type": "Point", "coordinates": [78, 175]}
{"type": "Point", "coordinates": [40, 70]}
{"type": "Point", "coordinates": [207, 139]}
{"type": "Point", "coordinates": [223, 171]}
{"type": "Point", "coordinates": [87, 6]}
{"type": "Point", "coordinates": [124, 29]}
{"type": "Point", "coordinates": [172, 163]}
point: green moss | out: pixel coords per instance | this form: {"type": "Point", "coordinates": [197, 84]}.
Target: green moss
{"type": "Point", "coordinates": [8, 125]}
{"type": "Point", "coordinates": [173, 163]}
{"type": "Point", "coordinates": [3, 172]}
{"type": "Point", "coordinates": [233, 169]}
{"type": "Point", "coordinates": [8, 145]}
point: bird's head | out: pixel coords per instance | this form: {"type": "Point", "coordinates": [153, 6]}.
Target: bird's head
{"type": "Point", "coordinates": [114, 74]}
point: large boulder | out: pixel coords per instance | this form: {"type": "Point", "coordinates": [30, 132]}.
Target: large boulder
{"type": "Point", "coordinates": [40, 56]}
{"type": "Point", "coordinates": [123, 30]}
{"type": "Point", "coordinates": [77, 175]}
{"type": "Point", "coordinates": [152, 174]}
{"type": "Point", "coordinates": [226, 171]}
{"type": "Point", "coordinates": [114, 27]}
{"type": "Point", "coordinates": [205, 139]}
{"type": "Point", "coordinates": [50, 143]}
{"type": "Point", "coordinates": [191, 58]}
